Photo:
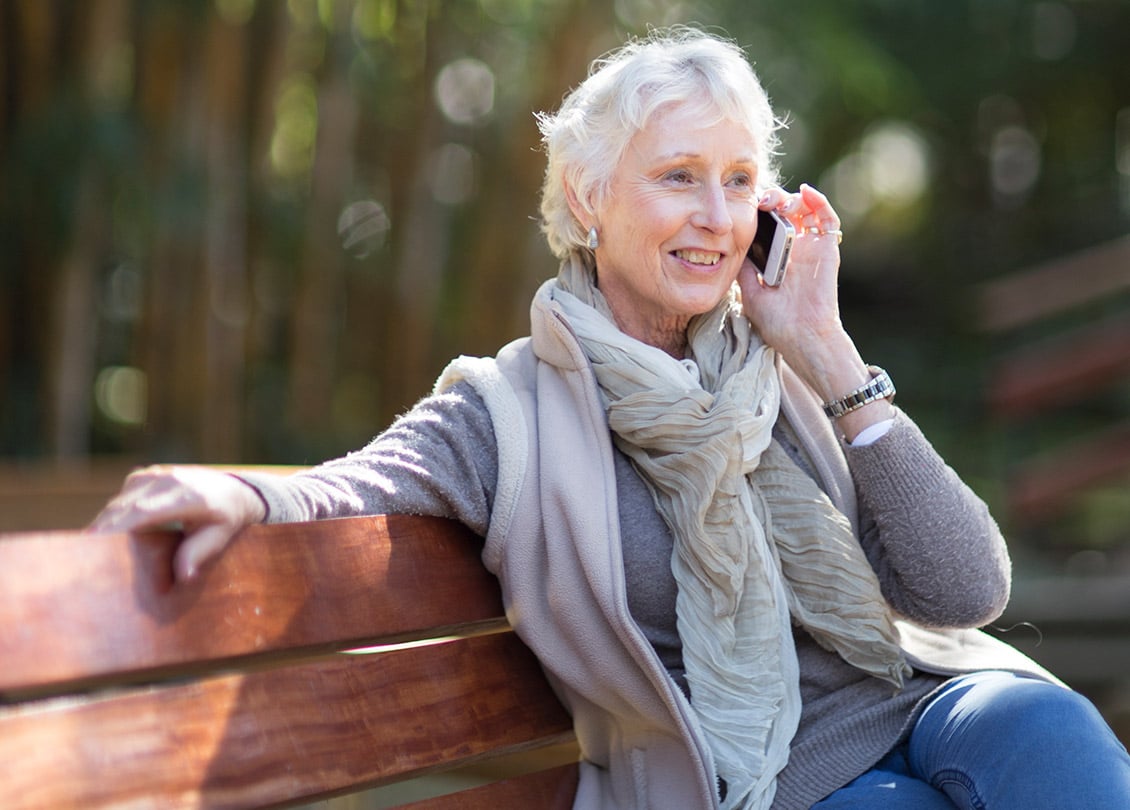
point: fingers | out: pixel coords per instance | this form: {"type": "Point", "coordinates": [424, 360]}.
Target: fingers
{"type": "Point", "coordinates": [749, 280]}
{"type": "Point", "coordinates": [209, 506]}
{"type": "Point", "coordinates": [808, 209]}
{"type": "Point", "coordinates": [200, 547]}
{"type": "Point", "coordinates": [820, 214]}
{"type": "Point", "coordinates": [161, 497]}
{"type": "Point", "coordinates": [791, 316]}
{"type": "Point", "coordinates": [148, 500]}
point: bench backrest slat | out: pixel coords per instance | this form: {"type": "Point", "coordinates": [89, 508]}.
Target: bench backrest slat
{"type": "Point", "coordinates": [280, 735]}
{"type": "Point", "coordinates": [76, 607]}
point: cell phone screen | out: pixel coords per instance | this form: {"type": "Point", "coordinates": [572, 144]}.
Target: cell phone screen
{"type": "Point", "coordinates": [771, 247]}
{"type": "Point", "coordinates": [763, 239]}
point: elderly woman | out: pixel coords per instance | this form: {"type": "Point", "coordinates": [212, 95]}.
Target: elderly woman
{"type": "Point", "coordinates": [746, 571]}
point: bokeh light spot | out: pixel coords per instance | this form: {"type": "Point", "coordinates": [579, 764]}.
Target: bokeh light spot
{"type": "Point", "coordinates": [121, 394]}
{"type": "Point", "coordinates": [363, 226]}
{"type": "Point", "coordinates": [464, 90]}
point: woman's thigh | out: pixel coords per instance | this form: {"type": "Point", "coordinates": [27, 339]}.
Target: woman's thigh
{"type": "Point", "coordinates": [997, 741]}
{"type": "Point", "coordinates": [887, 786]}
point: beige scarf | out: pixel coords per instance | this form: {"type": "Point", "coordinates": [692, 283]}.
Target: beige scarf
{"type": "Point", "coordinates": [756, 540]}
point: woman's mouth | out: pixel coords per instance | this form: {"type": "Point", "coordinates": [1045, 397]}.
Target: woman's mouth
{"type": "Point", "coordinates": [704, 258]}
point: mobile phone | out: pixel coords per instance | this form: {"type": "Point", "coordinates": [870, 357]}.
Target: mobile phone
{"type": "Point", "coordinates": [771, 246]}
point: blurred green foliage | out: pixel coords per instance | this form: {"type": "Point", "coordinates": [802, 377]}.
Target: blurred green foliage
{"type": "Point", "coordinates": [254, 231]}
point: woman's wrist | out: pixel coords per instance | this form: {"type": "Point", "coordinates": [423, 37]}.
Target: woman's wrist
{"type": "Point", "coordinates": [836, 371]}
{"type": "Point", "coordinates": [833, 368]}
{"type": "Point", "coordinates": [854, 423]}
{"type": "Point", "coordinates": [254, 504]}
{"type": "Point", "coordinates": [879, 386]}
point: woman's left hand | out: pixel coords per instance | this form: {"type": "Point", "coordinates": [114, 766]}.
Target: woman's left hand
{"type": "Point", "coordinates": [210, 506]}
{"type": "Point", "coordinates": [800, 318]}
{"type": "Point", "coordinates": [801, 313]}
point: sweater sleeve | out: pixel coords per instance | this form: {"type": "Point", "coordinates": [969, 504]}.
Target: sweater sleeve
{"type": "Point", "coordinates": [440, 458]}
{"type": "Point", "coordinates": [939, 554]}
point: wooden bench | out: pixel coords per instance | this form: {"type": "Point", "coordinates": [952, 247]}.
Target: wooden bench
{"type": "Point", "coordinates": [235, 690]}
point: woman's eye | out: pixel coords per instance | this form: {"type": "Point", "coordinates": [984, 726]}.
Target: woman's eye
{"type": "Point", "coordinates": [679, 176]}
{"type": "Point", "coordinates": [741, 180]}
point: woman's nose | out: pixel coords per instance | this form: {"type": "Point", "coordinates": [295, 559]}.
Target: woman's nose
{"type": "Point", "coordinates": [713, 212]}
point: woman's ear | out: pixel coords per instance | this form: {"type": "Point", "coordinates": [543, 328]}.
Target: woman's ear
{"type": "Point", "coordinates": [582, 213]}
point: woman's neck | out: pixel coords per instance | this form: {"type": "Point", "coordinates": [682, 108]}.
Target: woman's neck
{"type": "Point", "coordinates": [670, 338]}
{"type": "Point", "coordinates": [668, 333]}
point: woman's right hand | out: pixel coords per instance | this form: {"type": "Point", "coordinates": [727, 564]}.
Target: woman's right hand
{"type": "Point", "coordinates": [209, 506]}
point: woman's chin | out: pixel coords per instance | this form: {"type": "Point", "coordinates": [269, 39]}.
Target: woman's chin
{"type": "Point", "coordinates": [702, 300]}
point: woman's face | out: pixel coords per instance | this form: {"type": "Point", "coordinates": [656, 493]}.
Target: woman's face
{"type": "Point", "coordinates": [676, 225]}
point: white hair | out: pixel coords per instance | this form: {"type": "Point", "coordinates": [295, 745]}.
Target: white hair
{"type": "Point", "coordinates": [586, 138]}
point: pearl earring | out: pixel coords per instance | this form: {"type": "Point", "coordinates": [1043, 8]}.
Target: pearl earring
{"type": "Point", "coordinates": [594, 238]}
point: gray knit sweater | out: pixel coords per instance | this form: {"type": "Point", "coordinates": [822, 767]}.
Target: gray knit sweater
{"type": "Point", "coordinates": [921, 528]}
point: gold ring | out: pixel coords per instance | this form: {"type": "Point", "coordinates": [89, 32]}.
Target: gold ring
{"type": "Point", "coordinates": [836, 232]}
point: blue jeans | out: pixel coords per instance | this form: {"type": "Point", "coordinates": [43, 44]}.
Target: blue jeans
{"type": "Point", "coordinates": [996, 741]}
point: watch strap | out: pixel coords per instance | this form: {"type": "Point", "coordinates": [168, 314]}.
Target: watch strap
{"type": "Point", "coordinates": [880, 386]}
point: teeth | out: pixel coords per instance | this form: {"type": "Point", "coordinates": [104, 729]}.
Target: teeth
{"type": "Point", "coordinates": [699, 256]}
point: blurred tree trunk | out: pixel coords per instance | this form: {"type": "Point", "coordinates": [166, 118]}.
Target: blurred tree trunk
{"type": "Point", "coordinates": [321, 301]}
{"type": "Point", "coordinates": [225, 241]}
{"type": "Point", "coordinates": [423, 243]}
{"type": "Point", "coordinates": [194, 103]}
{"type": "Point", "coordinates": [267, 314]}
{"type": "Point", "coordinates": [36, 24]}
{"type": "Point", "coordinates": [509, 255]}
{"type": "Point", "coordinates": [422, 225]}
{"type": "Point", "coordinates": [29, 37]}
{"type": "Point", "coordinates": [168, 344]}
{"type": "Point", "coordinates": [103, 32]}
{"type": "Point", "coordinates": [74, 333]}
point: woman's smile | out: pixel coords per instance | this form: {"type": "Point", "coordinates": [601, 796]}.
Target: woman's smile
{"type": "Point", "coordinates": [699, 258]}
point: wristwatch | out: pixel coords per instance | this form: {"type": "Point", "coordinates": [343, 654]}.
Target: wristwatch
{"type": "Point", "coordinates": [879, 387]}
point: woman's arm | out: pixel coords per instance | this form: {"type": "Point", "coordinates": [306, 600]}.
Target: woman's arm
{"type": "Point", "coordinates": [801, 317]}
{"type": "Point", "coordinates": [438, 459]}
{"type": "Point", "coordinates": [939, 554]}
